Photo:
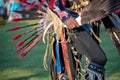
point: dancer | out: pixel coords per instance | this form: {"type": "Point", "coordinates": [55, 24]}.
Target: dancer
{"type": "Point", "coordinates": [63, 17]}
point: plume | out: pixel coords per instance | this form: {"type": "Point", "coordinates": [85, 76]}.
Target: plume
{"type": "Point", "coordinates": [50, 23]}
{"type": "Point", "coordinates": [98, 9]}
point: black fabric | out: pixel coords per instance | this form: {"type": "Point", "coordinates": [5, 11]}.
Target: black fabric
{"type": "Point", "coordinates": [85, 45]}
{"type": "Point", "coordinates": [107, 22]}
{"type": "Point", "coordinates": [68, 3]}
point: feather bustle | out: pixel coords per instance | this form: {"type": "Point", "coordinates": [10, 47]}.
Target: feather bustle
{"type": "Point", "coordinates": [30, 46]}
{"type": "Point", "coordinates": [20, 27]}
{"type": "Point", "coordinates": [100, 7]}
{"type": "Point", "coordinates": [25, 45]}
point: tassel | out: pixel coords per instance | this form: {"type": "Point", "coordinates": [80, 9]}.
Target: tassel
{"type": "Point", "coordinates": [45, 57]}
{"type": "Point", "coordinates": [16, 37]}
{"type": "Point", "coordinates": [22, 55]}
{"type": "Point", "coordinates": [33, 43]}
{"type": "Point", "coordinates": [19, 44]}
{"type": "Point", "coordinates": [27, 44]}
{"type": "Point", "coordinates": [22, 42]}
{"type": "Point", "coordinates": [96, 37]}
{"type": "Point", "coordinates": [30, 46]}
{"type": "Point", "coordinates": [46, 54]}
{"type": "Point", "coordinates": [19, 35]}
{"type": "Point", "coordinates": [45, 32]}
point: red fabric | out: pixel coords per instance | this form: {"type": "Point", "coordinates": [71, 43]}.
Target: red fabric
{"type": "Point", "coordinates": [51, 4]}
{"type": "Point", "coordinates": [61, 14]}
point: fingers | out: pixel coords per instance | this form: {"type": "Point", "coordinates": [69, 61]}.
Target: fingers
{"type": "Point", "coordinates": [71, 23]}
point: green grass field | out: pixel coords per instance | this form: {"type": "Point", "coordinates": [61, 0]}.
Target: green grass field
{"type": "Point", "coordinates": [31, 66]}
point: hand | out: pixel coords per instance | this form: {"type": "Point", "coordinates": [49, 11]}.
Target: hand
{"type": "Point", "coordinates": [71, 23]}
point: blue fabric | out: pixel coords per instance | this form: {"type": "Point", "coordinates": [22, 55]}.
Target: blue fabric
{"type": "Point", "coordinates": [58, 66]}
{"type": "Point", "coordinates": [15, 6]}
{"type": "Point", "coordinates": [60, 5]}
{"type": "Point", "coordinates": [87, 27]}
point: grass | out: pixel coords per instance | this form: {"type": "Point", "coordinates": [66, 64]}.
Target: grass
{"type": "Point", "coordinates": [112, 66]}
{"type": "Point", "coordinates": [31, 67]}
{"type": "Point", "coordinates": [11, 67]}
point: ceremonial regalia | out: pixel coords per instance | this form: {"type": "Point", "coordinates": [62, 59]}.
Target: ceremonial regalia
{"type": "Point", "coordinates": [68, 38]}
